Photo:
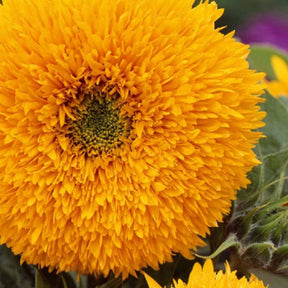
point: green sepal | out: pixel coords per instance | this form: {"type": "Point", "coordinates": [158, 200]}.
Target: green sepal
{"type": "Point", "coordinates": [257, 254]}
{"type": "Point", "coordinates": [243, 223]}
{"type": "Point", "coordinates": [279, 261]}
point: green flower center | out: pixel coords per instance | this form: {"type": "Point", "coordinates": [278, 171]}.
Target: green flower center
{"type": "Point", "coordinates": [98, 126]}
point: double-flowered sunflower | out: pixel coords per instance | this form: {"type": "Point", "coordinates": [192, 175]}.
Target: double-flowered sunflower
{"type": "Point", "coordinates": [126, 128]}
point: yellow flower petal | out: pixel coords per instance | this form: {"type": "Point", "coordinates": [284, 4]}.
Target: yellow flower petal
{"type": "Point", "coordinates": [206, 278]}
{"type": "Point", "coordinates": [278, 87]}
{"type": "Point", "coordinates": [151, 282]}
{"type": "Point", "coordinates": [280, 68]}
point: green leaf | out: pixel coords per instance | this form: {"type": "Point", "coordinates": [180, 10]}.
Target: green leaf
{"type": "Point", "coordinates": [272, 151]}
{"type": "Point", "coordinates": [276, 128]}
{"type": "Point", "coordinates": [274, 171]}
{"type": "Point", "coordinates": [261, 213]}
{"type": "Point", "coordinates": [260, 58]}
{"type": "Point", "coordinates": [279, 259]}
{"type": "Point", "coordinates": [268, 179]}
{"type": "Point", "coordinates": [231, 241]}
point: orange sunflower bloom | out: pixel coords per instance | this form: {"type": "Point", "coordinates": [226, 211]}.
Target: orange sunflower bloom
{"type": "Point", "coordinates": [206, 278]}
{"type": "Point", "coordinates": [125, 130]}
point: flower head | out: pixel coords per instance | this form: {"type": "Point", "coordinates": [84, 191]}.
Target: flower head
{"type": "Point", "coordinates": [278, 87]}
{"type": "Point", "coordinates": [125, 130]}
{"type": "Point", "coordinates": [206, 278]}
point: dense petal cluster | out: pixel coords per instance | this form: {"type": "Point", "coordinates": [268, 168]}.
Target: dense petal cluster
{"type": "Point", "coordinates": [206, 278]}
{"type": "Point", "coordinates": [278, 87]}
{"type": "Point", "coordinates": [125, 130]}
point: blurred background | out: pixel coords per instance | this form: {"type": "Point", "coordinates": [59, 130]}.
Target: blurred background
{"type": "Point", "coordinates": [238, 12]}
{"type": "Point", "coordinates": [257, 21]}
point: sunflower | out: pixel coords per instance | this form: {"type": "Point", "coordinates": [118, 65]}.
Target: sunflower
{"type": "Point", "coordinates": [206, 278]}
{"type": "Point", "coordinates": [125, 130]}
{"type": "Point", "coordinates": [278, 87]}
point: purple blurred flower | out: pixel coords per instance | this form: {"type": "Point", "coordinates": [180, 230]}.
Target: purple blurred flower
{"type": "Point", "coordinates": [266, 28]}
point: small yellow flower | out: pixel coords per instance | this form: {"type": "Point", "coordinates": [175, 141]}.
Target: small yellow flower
{"type": "Point", "coordinates": [278, 87]}
{"type": "Point", "coordinates": [206, 278]}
